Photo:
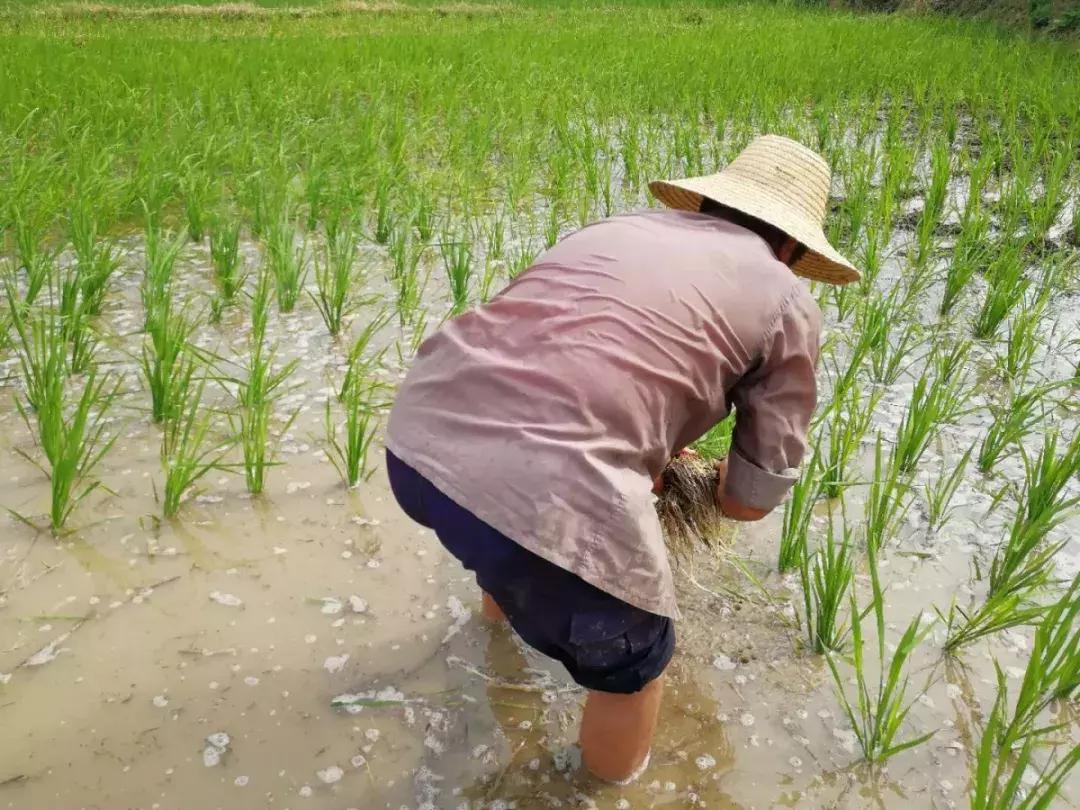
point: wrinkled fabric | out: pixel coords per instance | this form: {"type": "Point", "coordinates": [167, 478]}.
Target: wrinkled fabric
{"type": "Point", "coordinates": [549, 411]}
{"type": "Point", "coordinates": [604, 643]}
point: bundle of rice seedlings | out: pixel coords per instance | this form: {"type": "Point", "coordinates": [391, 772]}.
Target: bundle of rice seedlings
{"type": "Point", "coordinates": [687, 507]}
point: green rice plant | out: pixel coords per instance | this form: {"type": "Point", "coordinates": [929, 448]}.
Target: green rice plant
{"type": "Point", "coordinates": [287, 263]}
{"type": "Point", "coordinates": [491, 274]}
{"type": "Point", "coordinates": [888, 358]}
{"type": "Point", "coordinates": [495, 233]}
{"type": "Point", "coordinates": [225, 256]}
{"type": "Point", "coordinates": [188, 453]}
{"type": "Point", "coordinates": [939, 496]}
{"type": "Point", "coordinates": [156, 288]}
{"type": "Point", "coordinates": [73, 437]}
{"type": "Point", "coordinates": [196, 190]}
{"type": "Point", "coordinates": [97, 260]}
{"type": "Point", "coordinates": [827, 575]}
{"type": "Point", "coordinates": [1022, 342]}
{"type": "Point", "coordinates": [1006, 776]}
{"type": "Point", "coordinates": [933, 201]}
{"type": "Point", "coordinates": [410, 285]}
{"type": "Point", "coordinates": [335, 278]}
{"type": "Point", "coordinates": [457, 262]}
{"type": "Point", "coordinates": [521, 259]}
{"type": "Point", "coordinates": [552, 225]}
{"type": "Point", "coordinates": [42, 350]}
{"type": "Point", "coordinates": [260, 305]}
{"type": "Point", "coordinates": [1014, 419]}
{"type": "Point", "coordinates": [424, 218]}
{"type": "Point", "coordinates": [1043, 505]}
{"type": "Point", "coordinates": [1058, 643]}
{"type": "Point", "coordinates": [968, 257]}
{"type": "Point", "coordinates": [167, 363]}
{"type": "Point", "coordinates": [1000, 771]}
{"type": "Point", "coordinates": [31, 257]}
{"type": "Point", "coordinates": [360, 364]}
{"type": "Point", "coordinates": [348, 446]}
{"type": "Point", "coordinates": [877, 712]}
{"type": "Point", "coordinates": [1005, 609]}
{"type": "Point", "coordinates": [1007, 284]}
{"type": "Point", "coordinates": [850, 420]}
{"type": "Point", "coordinates": [257, 391]}
{"type": "Point", "coordinates": [887, 500]}
{"type": "Point", "coordinates": [798, 512]}
{"type": "Point", "coordinates": [384, 216]}
{"type": "Point", "coordinates": [938, 398]}
{"type": "Point", "coordinates": [1043, 209]}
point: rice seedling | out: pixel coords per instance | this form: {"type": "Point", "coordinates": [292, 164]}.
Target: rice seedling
{"type": "Point", "coordinates": [848, 425]}
{"type": "Point", "coordinates": [1023, 341]}
{"type": "Point", "coordinates": [938, 398]}
{"type": "Point", "coordinates": [1007, 285]}
{"type": "Point", "coordinates": [887, 500]}
{"type": "Point", "coordinates": [335, 277]}
{"type": "Point", "coordinates": [258, 388]}
{"type": "Point", "coordinates": [457, 262]}
{"type": "Point", "coordinates": [934, 200]}
{"type": "Point", "coordinates": [1004, 609]}
{"type": "Point", "coordinates": [156, 289]}
{"type": "Point", "coordinates": [73, 438]}
{"type": "Point", "coordinates": [969, 256]}
{"type": "Point", "coordinates": [225, 256]}
{"type": "Point", "coordinates": [798, 513]}
{"type": "Point", "coordinates": [188, 451]}
{"type": "Point", "coordinates": [97, 260]}
{"type": "Point", "coordinates": [1006, 776]}
{"type": "Point", "coordinates": [521, 259]}
{"type": "Point", "coordinates": [42, 351]}
{"type": "Point", "coordinates": [32, 258]}
{"type": "Point", "coordinates": [1044, 504]}
{"type": "Point", "coordinates": [360, 363]}
{"type": "Point", "coordinates": [167, 360]}
{"type": "Point", "coordinates": [1014, 419]}
{"type": "Point", "coordinates": [410, 285]}
{"type": "Point", "coordinates": [939, 495]}
{"type": "Point", "coordinates": [287, 263]}
{"type": "Point", "coordinates": [1001, 770]}
{"type": "Point", "coordinates": [384, 216]}
{"type": "Point", "coordinates": [889, 354]}
{"type": "Point", "coordinates": [827, 575]}
{"type": "Point", "coordinates": [878, 712]}
{"type": "Point", "coordinates": [348, 446]}
{"type": "Point", "coordinates": [686, 506]}
{"type": "Point", "coordinates": [196, 190]}
{"type": "Point", "coordinates": [424, 219]}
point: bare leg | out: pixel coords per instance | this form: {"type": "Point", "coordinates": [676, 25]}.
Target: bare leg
{"type": "Point", "coordinates": [617, 730]}
{"type": "Point", "coordinates": [491, 610]}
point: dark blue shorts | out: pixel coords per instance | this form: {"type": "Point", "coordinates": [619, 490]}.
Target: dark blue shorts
{"type": "Point", "coordinates": [603, 642]}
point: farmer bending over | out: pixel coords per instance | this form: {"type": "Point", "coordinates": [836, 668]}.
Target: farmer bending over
{"type": "Point", "coordinates": [530, 431]}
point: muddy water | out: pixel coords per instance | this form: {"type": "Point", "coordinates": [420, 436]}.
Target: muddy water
{"type": "Point", "coordinates": [311, 648]}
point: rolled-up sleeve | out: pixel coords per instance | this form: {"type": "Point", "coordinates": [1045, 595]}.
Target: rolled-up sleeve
{"type": "Point", "coordinates": [774, 402]}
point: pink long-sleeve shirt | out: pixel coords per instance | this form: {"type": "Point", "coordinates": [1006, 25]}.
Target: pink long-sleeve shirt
{"type": "Point", "coordinates": [549, 411]}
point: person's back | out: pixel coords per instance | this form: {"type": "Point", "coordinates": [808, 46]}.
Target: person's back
{"type": "Point", "coordinates": [530, 431]}
{"type": "Point", "coordinates": [551, 409]}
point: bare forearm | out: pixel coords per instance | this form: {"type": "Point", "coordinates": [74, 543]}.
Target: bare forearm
{"type": "Point", "coordinates": [730, 507]}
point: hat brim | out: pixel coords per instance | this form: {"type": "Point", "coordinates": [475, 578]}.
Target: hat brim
{"type": "Point", "coordinates": [821, 262]}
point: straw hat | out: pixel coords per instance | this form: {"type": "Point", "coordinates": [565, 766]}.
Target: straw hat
{"type": "Point", "coordinates": [778, 181]}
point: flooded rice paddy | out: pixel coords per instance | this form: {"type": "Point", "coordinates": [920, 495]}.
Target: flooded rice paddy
{"type": "Point", "coordinates": [311, 648]}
